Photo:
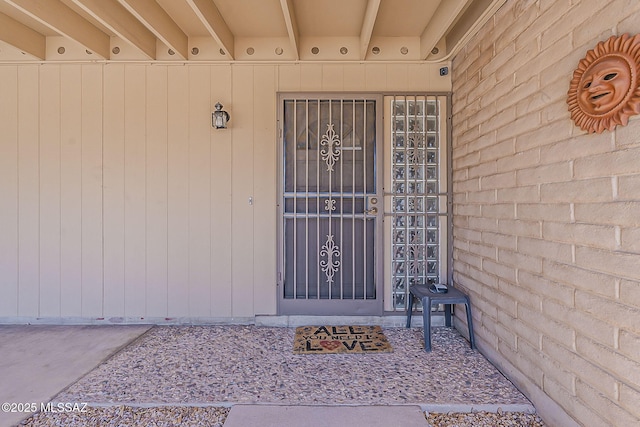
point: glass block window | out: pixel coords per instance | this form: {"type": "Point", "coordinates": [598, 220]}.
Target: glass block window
{"type": "Point", "coordinates": [415, 195]}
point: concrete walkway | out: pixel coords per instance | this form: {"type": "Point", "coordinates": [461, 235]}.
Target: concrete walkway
{"type": "Point", "coordinates": [37, 362]}
{"type": "Point", "coordinates": [325, 416]}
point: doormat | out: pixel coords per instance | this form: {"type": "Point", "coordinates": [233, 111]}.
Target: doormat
{"type": "Point", "coordinates": [340, 339]}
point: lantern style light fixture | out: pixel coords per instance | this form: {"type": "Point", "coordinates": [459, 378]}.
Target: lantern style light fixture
{"type": "Point", "coordinates": [219, 118]}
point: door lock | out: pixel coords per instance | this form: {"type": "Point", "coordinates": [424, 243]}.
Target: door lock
{"type": "Point", "coordinates": [371, 202]}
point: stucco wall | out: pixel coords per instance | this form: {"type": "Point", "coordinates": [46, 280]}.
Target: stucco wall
{"type": "Point", "coordinates": [119, 202]}
{"type": "Point", "coordinates": [547, 217]}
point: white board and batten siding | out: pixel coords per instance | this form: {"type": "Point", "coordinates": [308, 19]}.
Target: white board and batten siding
{"type": "Point", "coordinates": [120, 203]}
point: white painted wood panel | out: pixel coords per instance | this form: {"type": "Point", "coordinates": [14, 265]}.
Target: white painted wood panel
{"type": "Point", "coordinates": [333, 77]}
{"type": "Point", "coordinates": [113, 193]}
{"type": "Point", "coordinates": [71, 190]}
{"type": "Point", "coordinates": [375, 77]}
{"type": "Point", "coordinates": [49, 192]}
{"type": "Point", "coordinates": [288, 78]}
{"type": "Point", "coordinates": [242, 189]}
{"type": "Point", "coordinates": [28, 192]}
{"type": "Point", "coordinates": [310, 77]}
{"type": "Point", "coordinates": [354, 77]}
{"type": "Point", "coordinates": [418, 75]}
{"type": "Point", "coordinates": [9, 191]}
{"type": "Point", "coordinates": [221, 214]}
{"type": "Point", "coordinates": [265, 190]}
{"type": "Point", "coordinates": [123, 202]}
{"type": "Point", "coordinates": [178, 191]}
{"type": "Point", "coordinates": [156, 202]}
{"type": "Point", "coordinates": [135, 228]}
{"type": "Point", "coordinates": [199, 191]}
{"type": "Point", "coordinates": [92, 279]}
{"type": "Point", "coordinates": [398, 78]}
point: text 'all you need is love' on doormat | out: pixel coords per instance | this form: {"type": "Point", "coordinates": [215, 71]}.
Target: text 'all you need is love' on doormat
{"type": "Point", "coordinates": [340, 339]}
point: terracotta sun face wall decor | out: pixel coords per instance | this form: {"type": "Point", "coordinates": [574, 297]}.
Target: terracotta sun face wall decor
{"type": "Point", "coordinates": [605, 89]}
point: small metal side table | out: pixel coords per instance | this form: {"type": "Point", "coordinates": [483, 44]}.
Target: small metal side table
{"type": "Point", "coordinates": [428, 298]}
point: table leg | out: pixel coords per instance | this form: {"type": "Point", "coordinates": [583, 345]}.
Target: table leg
{"type": "Point", "coordinates": [447, 314]}
{"type": "Point", "coordinates": [426, 320]}
{"type": "Point", "coordinates": [409, 309]}
{"type": "Point", "coordinates": [467, 307]}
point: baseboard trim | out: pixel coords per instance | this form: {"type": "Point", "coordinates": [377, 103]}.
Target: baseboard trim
{"type": "Point", "coordinates": [115, 320]}
{"type": "Point", "coordinates": [386, 321]}
{"type": "Point", "coordinates": [259, 320]}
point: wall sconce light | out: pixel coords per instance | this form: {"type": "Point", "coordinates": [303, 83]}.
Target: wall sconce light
{"type": "Point", "coordinates": [219, 118]}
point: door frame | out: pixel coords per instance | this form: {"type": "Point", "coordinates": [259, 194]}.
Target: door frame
{"type": "Point", "coordinates": [333, 307]}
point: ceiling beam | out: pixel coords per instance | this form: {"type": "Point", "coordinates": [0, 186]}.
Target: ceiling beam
{"type": "Point", "coordinates": [154, 17]}
{"type": "Point", "coordinates": [213, 21]}
{"type": "Point", "coordinates": [370, 16]}
{"type": "Point", "coordinates": [22, 37]}
{"type": "Point", "coordinates": [112, 15]}
{"type": "Point", "coordinates": [292, 26]}
{"type": "Point", "coordinates": [63, 20]}
{"type": "Point", "coordinates": [476, 15]}
{"type": "Point", "coordinates": [439, 23]}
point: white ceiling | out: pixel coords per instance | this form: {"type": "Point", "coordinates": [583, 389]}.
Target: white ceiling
{"type": "Point", "coordinates": [238, 30]}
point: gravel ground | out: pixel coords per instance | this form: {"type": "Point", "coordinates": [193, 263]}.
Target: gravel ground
{"type": "Point", "coordinates": [248, 364]}
{"type": "Point", "coordinates": [122, 416]}
{"type": "Point", "coordinates": [188, 373]}
{"type": "Point", "coordinates": [484, 419]}
{"type": "Point", "coordinates": [125, 416]}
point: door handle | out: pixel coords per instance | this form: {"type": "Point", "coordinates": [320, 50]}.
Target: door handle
{"type": "Point", "coordinates": [372, 211]}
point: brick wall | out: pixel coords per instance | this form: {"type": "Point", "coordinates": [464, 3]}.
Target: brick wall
{"type": "Point", "coordinates": [547, 217]}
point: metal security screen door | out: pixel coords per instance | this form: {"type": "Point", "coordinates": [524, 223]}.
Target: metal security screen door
{"type": "Point", "coordinates": [331, 205]}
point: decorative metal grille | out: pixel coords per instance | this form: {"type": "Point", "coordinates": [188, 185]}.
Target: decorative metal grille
{"type": "Point", "coordinates": [415, 195]}
{"type": "Point", "coordinates": [330, 179]}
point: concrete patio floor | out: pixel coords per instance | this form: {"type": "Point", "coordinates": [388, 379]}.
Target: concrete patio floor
{"type": "Point", "coordinates": [39, 361]}
{"type": "Point", "coordinates": [242, 366]}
